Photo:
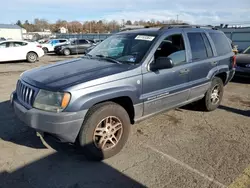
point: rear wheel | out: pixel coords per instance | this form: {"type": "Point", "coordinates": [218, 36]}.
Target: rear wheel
{"type": "Point", "coordinates": [105, 131]}
{"type": "Point", "coordinates": [66, 52]}
{"type": "Point", "coordinates": [213, 96]}
{"type": "Point", "coordinates": [32, 57]}
{"type": "Point", "coordinates": [45, 50]}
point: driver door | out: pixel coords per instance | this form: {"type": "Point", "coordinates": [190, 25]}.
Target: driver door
{"type": "Point", "coordinates": [4, 55]}
{"type": "Point", "coordinates": [167, 88]}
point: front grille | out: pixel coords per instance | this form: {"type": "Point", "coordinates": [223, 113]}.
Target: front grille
{"type": "Point", "coordinates": [25, 93]}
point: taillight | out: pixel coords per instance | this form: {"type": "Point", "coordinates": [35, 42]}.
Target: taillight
{"type": "Point", "coordinates": [39, 46]}
{"type": "Point", "coordinates": [234, 61]}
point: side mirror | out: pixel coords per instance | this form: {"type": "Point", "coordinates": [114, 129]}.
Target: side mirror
{"type": "Point", "coordinates": [161, 63]}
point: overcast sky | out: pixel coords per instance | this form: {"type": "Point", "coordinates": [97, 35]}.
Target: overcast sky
{"type": "Point", "coordinates": [192, 11]}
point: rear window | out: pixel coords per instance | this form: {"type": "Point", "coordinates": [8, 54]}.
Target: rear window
{"type": "Point", "coordinates": [221, 43]}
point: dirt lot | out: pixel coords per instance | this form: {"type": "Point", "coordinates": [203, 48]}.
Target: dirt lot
{"type": "Point", "coordinates": [181, 148]}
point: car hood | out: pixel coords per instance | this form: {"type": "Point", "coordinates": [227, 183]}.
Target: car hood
{"type": "Point", "coordinates": [243, 59]}
{"type": "Point", "coordinates": [72, 72]}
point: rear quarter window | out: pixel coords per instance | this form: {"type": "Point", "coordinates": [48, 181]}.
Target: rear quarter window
{"type": "Point", "coordinates": [221, 43]}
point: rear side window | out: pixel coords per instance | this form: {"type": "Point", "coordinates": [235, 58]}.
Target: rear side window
{"type": "Point", "coordinates": [62, 41]}
{"type": "Point", "coordinates": [198, 48]}
{"type": "Point", "coordinates": [221, 43]}
{"type": "Point", "coordinates": [17, 44]}
{"type": "Point", "coordinates": [83, 42]}
{"type": "Point", "coordinates": [208, 45]}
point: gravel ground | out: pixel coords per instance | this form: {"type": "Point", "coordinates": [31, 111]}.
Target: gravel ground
{"type": "Point", "coordinates": [181, 148]}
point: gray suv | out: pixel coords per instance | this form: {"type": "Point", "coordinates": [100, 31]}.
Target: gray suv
{"type": "Point", "coordinates": [130, 76]}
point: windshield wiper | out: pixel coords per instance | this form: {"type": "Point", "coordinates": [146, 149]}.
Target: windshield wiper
{"type": "Point", "coordinates": [108, 59]}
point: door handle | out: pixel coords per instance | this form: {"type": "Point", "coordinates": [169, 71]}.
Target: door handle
{"type": "Point", "coordinates": [214, 63]}
{"type": "Point", "coordinates": [184, 71]}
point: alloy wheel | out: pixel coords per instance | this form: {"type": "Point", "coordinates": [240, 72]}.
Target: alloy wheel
{"type": "Point", "coordinates": [108, 133]}
{"type": "Point", "coordinates": [215, 95]}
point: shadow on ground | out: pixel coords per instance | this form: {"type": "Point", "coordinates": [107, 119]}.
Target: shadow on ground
{"type": "Point", "coordinates": [241, 80]}
{"type": "Point", "coordinates": [62, 170]}
{"type": "Point", "coordinates": [12, 130]}
{"type": "Point", "coordinates": [236, 111]}
{"type": "Point", "coordinates": [15, 62]}
{"type": "Point", "coordinates": [66, 168]}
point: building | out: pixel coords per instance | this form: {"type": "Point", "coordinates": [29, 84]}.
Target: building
{"type": "Point", "coordinates": [63, 30]}
{"type": "Point", "coordinates": [9, 31]}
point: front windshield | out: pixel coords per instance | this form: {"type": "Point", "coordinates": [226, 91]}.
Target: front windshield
{"type": "Point", "coordinates": [129, 48]}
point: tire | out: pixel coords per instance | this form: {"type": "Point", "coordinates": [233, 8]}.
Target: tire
{"type": "Point", "coordinates": [66, 52]}
{"type": "Point", "coordinates": [32, 57]}
{"type": "Point", "coordinates": [208, 103]}
{"type": "Point", "coordinates": [45, 50]}
{"type": "Point", "coordinates": [94, 126]}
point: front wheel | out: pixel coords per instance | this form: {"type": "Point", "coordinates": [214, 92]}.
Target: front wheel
{"type": "Point", "coordinates": [105, 131]}
{"type": "Point", "coordinates": [45, 50]}
{"type": "Point", "coordinates": [32, 57]}
{"type": "Point", "coordinates": [66, 52]}
{"type": "Point", "coordinates": [213, 96]}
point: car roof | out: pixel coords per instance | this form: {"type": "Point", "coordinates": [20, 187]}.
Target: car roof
{"type": "Point", "coordinates": [153, 31]}
{"type": "Point", "coordinates": [160, 30]}
{"type": "Point", "coordinates": [12, 40]}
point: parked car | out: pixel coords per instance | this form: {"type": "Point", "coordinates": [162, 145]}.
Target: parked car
{"type": "Point", "coordinates": [13, 50]}
{"type": "Point", "coordinates": [50, 44]}
{"type": "Point", "coordinates": [90, 48]}
{"type": "Point", "coordinates": [130, 76]}
{"type": "Point", "coordinates": [243, 63]}
{"type": "Point", "coordinates": [77, 46]}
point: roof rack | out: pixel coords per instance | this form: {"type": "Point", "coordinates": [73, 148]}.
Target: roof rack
{"type": "Point", "coordinates": [169, 26]}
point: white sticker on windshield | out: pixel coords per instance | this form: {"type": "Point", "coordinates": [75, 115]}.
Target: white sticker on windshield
{"type": "Point", "coordinates": [144, 37]}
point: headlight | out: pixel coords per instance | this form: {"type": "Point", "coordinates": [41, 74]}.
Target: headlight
{"type": "Point", "coordinates": [51, 101]}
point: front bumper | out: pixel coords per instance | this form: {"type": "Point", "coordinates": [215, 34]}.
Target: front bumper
{"type": "Point", "coordinates": [59, 51]}
{"type": "Point", "coordinates": [243, 72]}
{"type": "Point", "coordinates": [65, 125]}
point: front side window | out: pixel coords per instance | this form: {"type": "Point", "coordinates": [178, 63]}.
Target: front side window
{"type": "Point", "coordinates": [127, 48]}
{"type": "Point", "coordinates": [3, 45]}
{"type": "Point", "coordinates": [10, 44]}
{"type": "Point", "coordinates": [198, 47]}
{"type": "Point", "coordinates": [221, 43]}
{"type": "Point", "coordinates": [172, 47]}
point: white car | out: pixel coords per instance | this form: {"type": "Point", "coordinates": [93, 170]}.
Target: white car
{"type": "Point", "coordinates": [13, 50]}
{"type": "Point", "coordinates": [50, 45]}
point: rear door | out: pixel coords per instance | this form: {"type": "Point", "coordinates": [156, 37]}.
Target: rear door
{"type": "Point", "coordinates": [202, 61]}
{"type": "Point", "coordinates": [223, 50]}
{"type": "Point", "coordinates": [20, 49]}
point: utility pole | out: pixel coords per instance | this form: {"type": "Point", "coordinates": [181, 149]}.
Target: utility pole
{"type": "Point", "coordinates": [177, 16]}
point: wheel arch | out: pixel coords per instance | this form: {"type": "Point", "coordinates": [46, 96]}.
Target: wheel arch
{"type": "Point", "coordinates": [32, 52]}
